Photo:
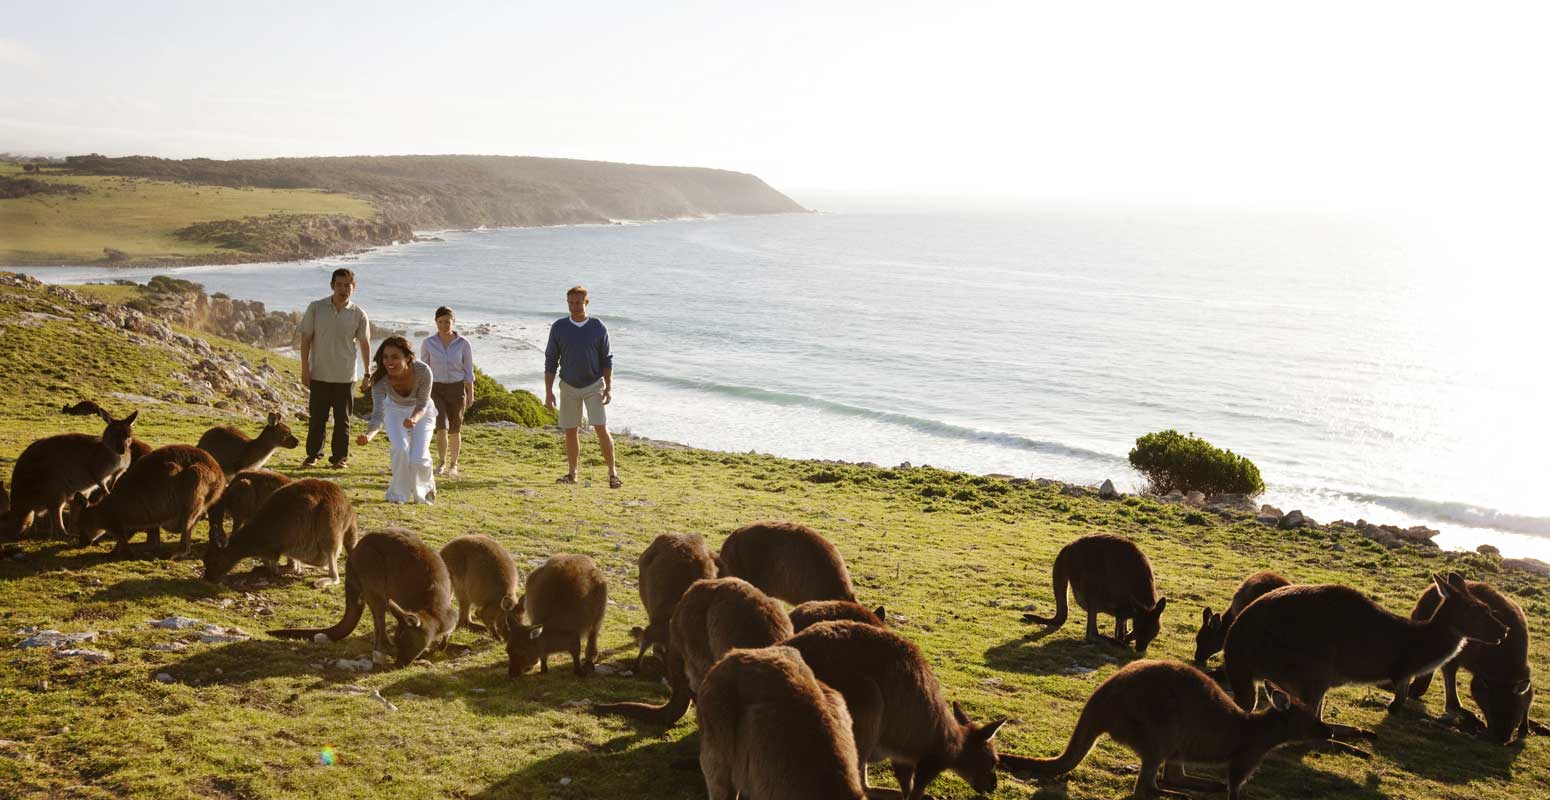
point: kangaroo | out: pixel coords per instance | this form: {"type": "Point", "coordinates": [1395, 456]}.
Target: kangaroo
{"type": "Point", "coordinates": [1213, 626]}
{"type": "Point", "coordinates": [245, 492]}
{"type": "Point", "coordinates": [714, 616]}
{"type": "Point", "coordinates": [1501, 684]}
{"type": "Point", "coordinates": [171, 489]}
{"type": "Point", "coordinates": [769, 729]}
{"type": "Point", "coordinates": [307, 520]}
{"type": "Point", "coordinates": [86, 408]}
{"type": "Point", "coordinates": [815, 611]}
{"type": "Point", "coordinates": [563, 602]}
{"type": "Point", "coordinates": [1309, 639]}
{"type": "Point", "coordinates": [1108, 574]}
{"type": "Point", "coordinates": [787, 561]}
{"type": "Point", "coordinates": [668, 566]}
{"type": "Point", "coordinates": [1172, 714]}
{"type": "Point", "coordinates": [484, 576]}
{"type": "Point", "coordinates": [897, 706]}
{"type": "Point", "coordinates": [391, 571]}
{"type": "Point", "coordinates": [236, 452]}
{"type": "Point", "coordinates": [52, 470]}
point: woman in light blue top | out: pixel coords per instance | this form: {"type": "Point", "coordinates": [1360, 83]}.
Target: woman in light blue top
{"type": "Point", "coordinates": [451, 359]}
{"type": "Point", "coordinates": [401, 405]}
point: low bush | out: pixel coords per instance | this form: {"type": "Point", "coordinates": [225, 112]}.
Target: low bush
{"type": "Point", "coordinates": [1171, 461]}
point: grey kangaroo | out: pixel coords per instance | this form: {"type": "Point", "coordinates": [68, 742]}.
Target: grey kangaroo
{"type": "Point", "coordinates": [171, 489]}
{"type": "Point", "coordinates": [236, 452]}
{"type": "Point", "coordinates": [245, 494]}
{"type": "Point", "coordinates": [563, 604]}
{"type": "Point", "coordinates": [668, 566]}
{"type": "Point", "coordinates": [787, 561]}
{"type": "Point", "coordinates": [1107, 574]}
{"type": "Point", "coordinates": [484, 576]}
{"type": "Point", "coordinates": [51, 471]}
{"type": "Point", "coordinates": [1213, 626]}
{"type": "Point", "coordinates": [813, 612]}
{"type": "Point", "coordinates": [308, 521]}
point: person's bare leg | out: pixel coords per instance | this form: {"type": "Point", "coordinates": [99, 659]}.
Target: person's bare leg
{"type": "Point", "coordinates": [606, 444]}
{"type": "Point", "coordinates": [454, 450]}
{"type": "Point", "coordinates": [572, 449]}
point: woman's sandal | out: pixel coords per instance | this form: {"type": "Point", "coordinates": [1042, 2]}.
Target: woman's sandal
{"type": "Point", "coordinates": [614, 481]}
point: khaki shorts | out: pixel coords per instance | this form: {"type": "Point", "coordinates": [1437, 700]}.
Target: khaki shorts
{"type": "Point", "coordinates": [449, 398]}
{"type": "Point", "coordinates": [572, 399]}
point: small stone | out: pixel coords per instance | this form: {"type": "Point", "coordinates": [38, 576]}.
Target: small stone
{"type": "Point", "coordinates": [1107, 491]}
{"type": "Point", "coordinates": [1293, 519]}
{"type": "Point", "coordinates": [162, 677]}
{"type": "Point", "coordinates": [565, 781]}
{"type": "Point", "coordinates": [319, 637]}
{"type": "Point", "coordinates": [176, 622]}
{"type": "Point", "coordinates": [1488, 550]}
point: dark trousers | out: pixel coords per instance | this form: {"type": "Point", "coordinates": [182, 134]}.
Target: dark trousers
{"type": "Point", "coordinates": [323, 398]}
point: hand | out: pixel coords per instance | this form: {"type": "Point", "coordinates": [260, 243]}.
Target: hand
{"type": "Point", "coordinates": [549, 398]}
{"type": "Point", "coordinates": [410, 422]}
{"type": "Point", "coordinates": [366, 385]}
{"type": "Point", "coordinates": [362, 440]}
{"type": "Point", "coordinates": [608, 395]}
{"type": "Point", "coordinates": [306, 375]}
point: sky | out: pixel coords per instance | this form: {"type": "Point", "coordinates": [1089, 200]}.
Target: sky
{"type": "Point", "coordinates": [1240, 104]}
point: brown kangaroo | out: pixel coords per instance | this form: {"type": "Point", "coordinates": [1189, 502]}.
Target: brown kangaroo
{"type": "Point", "coordinates": [245, 492]}
{"type": "Point", "coordinates": [1213, 626]}
{"type": "Point", "coordinates": [483, 576]}
{"type": "Point", "coordinates": [769, 729]}
{"type": "Point", "coordinates": [1108, 574]}
{"type": "Point", "coordinates": [171, 489]}
{"type": "Point", "coordinates": [669, 564]}
{"type": "Point", "coordinates": [1309, 639]}
{"type": "Point", "coordinates": [1500, 684]}
{"type": "Point", "coordinates": [714, 616]}
{"type": "Point", "coordinates": [813, 612]}
{"type": "Point", "coordinates": [307, 520]}
{"type": "Point", "coordinates": [1171, 714]}
{"type": "Point", "coordinates": [392, 571]}
{"type": "Point", "coordinates": [564, 603]}
{"type": "Point", "coordinates": [787, 561]}
{"type": "Point", "coordinates": [52, 470]}
{"type": "Point", "coordinates": [86, 408]}
{"type": "Point", "coordinates": [897, 706]}
{"type": "Point", "coordinates": [236, 452]}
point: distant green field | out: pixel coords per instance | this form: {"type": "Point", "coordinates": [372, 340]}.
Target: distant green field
{"type": "Point", "coordinates": [138, 216]}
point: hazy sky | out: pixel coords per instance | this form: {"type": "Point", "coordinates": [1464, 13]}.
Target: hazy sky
{"type": "Point", "coordinates": [1287, 104]}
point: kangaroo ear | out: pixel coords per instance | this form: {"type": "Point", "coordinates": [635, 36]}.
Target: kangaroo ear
{"type": "Point", "coordinates": [1442, 586]}
{"type": "Point", "coordinates": [412, 619]}
{"type": "Point", "coordinates": [958, 714]}
{"type": "Point", "coordinates": [1280, 701]}
{"type": "Point", "coordinates": [989, 731]}
{"type": "Point", "coordinates": [130, 420]}
{"type": "Point", "coordinates": [273, 418]}
{"type": "Point", "coordinates": [507, 603]}
{"type": "Point", "coordinates": [881, 612]}
{"type": "Point", "coordinates": [1162, 603]}
{"type": "Point", "coordinates": [535, 632]}
{"type": "Point", "coordinates": [1521, 687]}
{"type": "Point", "coordinates": [1457, 582]}
{"type": "Point", "coordinates": [396, 610]}
{"type": "Point", "coordinates": [1205, 616]}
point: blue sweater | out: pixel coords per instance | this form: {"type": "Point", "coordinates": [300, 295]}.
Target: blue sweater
{"type": "Point", "coordinates": [578, 353]}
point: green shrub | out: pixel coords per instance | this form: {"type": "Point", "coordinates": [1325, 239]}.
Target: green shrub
{"type": "Point", "coordinates": [1172, 461]}
{"type": "Point", "coordinates": [495, 403]}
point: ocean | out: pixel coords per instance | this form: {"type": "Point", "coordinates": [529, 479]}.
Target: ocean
{"type": "Point", "coordinates": [1370, 371]}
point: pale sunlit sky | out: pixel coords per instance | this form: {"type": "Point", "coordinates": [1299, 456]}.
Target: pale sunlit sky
{"type": "Point", "coordinates": [1310, 105]}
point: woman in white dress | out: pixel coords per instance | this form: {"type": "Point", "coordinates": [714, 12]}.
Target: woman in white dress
{"type": "Point", "coordinates": [401, 405]}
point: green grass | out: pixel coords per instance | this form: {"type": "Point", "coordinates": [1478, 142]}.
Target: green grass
{"type": "Point", "coordinates": [957, 555]}
{"type": "Point", "coordinates": [139, 216]}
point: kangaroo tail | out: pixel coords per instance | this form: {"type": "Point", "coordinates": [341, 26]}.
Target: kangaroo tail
{"type": "Point", "coordinates": [665, 714]}
{"type": "Point", "coordinates": [353, 606]}
{"type": "Point", "coordinates": [349, 536]}
{"type": "Point", "coordinates": [1421, 683]}
{"type": "Point", "coordinates": [1058, 580]}
{"type": "Point", "coordinates": [1083, 737]}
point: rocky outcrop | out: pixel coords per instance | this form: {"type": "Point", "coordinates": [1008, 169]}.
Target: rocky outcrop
{"type": "Point", "coordinates": [289, 237]}
{"type": "Point", "coordinates": [184, 303]}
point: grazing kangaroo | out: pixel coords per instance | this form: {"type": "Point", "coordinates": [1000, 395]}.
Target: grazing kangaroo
{"type": "Point", "coordinates": [787, 561]}
{"type": "Point", "coordinates": [87, 408]}
{"type": "Point", "coordinates": [1500, 684]}
{"type": "Point", "coordinates": [307, 520]}
{"type": "Point", "coordinates": [1213, 626]}
{"type": "Point", "coordinates": [897, 706]}
{"type": "Point", "coordinates": [1171, 714]}
{"type": "Point", "coordinates": [171, 489]}
{"type": "Point", "coordinates": [483, 576]}
{"type": "Point", "coordinates": [52, 470]}
{"type": "Point", "coordinates": [1309, 639]}
{"type": "Point", "coordinates": [245, 492]}
{"type": "Point", "coordinates": [391, 571]}
{"type": "Point", "coordinates": [236, 452]}
{"type": "Point", "coordinates": [668, 566]}
{"type": "Point", "coordinates": [815, 611]}
{"type": "Point", "coordinates": [769, 729]}
{"type": "Point", "coordinates": [714, 616]}
{"type": "Point", "coordinates": [1108, 574]}
{"type": "Point", "coordinates": [564, 603]}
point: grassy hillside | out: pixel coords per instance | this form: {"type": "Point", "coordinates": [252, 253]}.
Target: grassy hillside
{"type": "Point", "coordinates": [957, 557]}
{"type": "Point", "coordinates": [140, 217]}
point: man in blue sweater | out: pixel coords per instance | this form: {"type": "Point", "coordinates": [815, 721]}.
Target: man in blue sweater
{"type": "Point", "coordinates": [578, 352]}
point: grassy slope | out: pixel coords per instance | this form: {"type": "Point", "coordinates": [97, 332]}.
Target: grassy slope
{"type": "Point", "coordinates": [138, 216]}
{"type": "Point", "coordinates": [957, 555]}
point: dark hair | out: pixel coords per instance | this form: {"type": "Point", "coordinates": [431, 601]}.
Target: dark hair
{"type": "Point", "coordinates": [444, 311]}
{"type": "Point", "coordinates": [395, 341]}
{"type": "Point", "coordinates": [342, 273]}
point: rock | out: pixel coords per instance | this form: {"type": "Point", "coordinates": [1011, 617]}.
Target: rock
{"type": "Point", "coordinates": [1230, 502]}
{"type": "Point", "coordinates": [1195, 499]}
{"type": "Point", "coordinates": [55, 639]}
{"type": "Point", "coordinates": [1292, 520]}
{"type": "Point", "coordinates": [1530, 565]}
{"type": "Point", "coordinates": [93, 656]}
{"type": "Point", "coordinates": [1268, 510]}
{"type": "Point", "coordinates": [1174, 496]}
{"type": "Point", "coordinates": [1106, 491]}
{"type": "Point", "coordinates": [177, 622]}
{"type": "Point", "coordinates": [362, 664]}
{"type": "Point", "coordinates": [1073, 491]}
{"type": "Point", "coordinates": [1488, 550]}
{"type": "Point", "coordinates": [162, 677]}
{"type": "Point", "coordinates": [170, 647]}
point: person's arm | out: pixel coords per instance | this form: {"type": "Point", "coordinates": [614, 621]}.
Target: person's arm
{"type": "Point", "coordinates": [422, 393]}
{"type": "Point", "coordinates": [608, 386]}
{"type": "Point", "coordinates": [551, 364]}
{"type": "Point", "coordinates": [378, 410]}
{"type": "Point", "coordinates": [363, 338]}
{"type": "Point", "coordinates": [307, 327]}
{"type": "Point", "coordinates": [605, 357]}
{"type": "Point", "coordinates": [468, 373]}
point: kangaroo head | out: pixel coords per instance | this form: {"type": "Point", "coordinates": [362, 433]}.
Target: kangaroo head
{"type": "Point", "coordinates": [219, 558]}
{"type": "Point", "coordinates": [86, 518]}
{"type": "Point", "coordinates": [413, 635]}
{"type": "Point", "coordinates": [1464, 614]}
{"type": "Point", "coordinates": [524, 646]}
{"type": "Point", "coordinates": [1296, 722]}
{"type": "Point", "coordinates": [881, 612]}
{"type": "Point", "coordinates": [1148, 624]}
{"type": "Point", "coordinates": [1211, 636]}
{"type": "Point", "coordinates": [278, 433]}
{"type": "Point", "coordinates": [1505, 703]}
{"type": "Point", "coordinates": [118, 432]}
{"type": "Point", "coordinates": [976, 763]}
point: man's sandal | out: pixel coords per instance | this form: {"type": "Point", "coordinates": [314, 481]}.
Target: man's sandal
{"type": "Point", "coordinates": [614, 481]}
{"type": "Point", "coordinates": [566, 479]}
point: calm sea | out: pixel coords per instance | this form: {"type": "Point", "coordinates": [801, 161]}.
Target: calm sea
{"type": "Point", "coordinates": [1369, 372]}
